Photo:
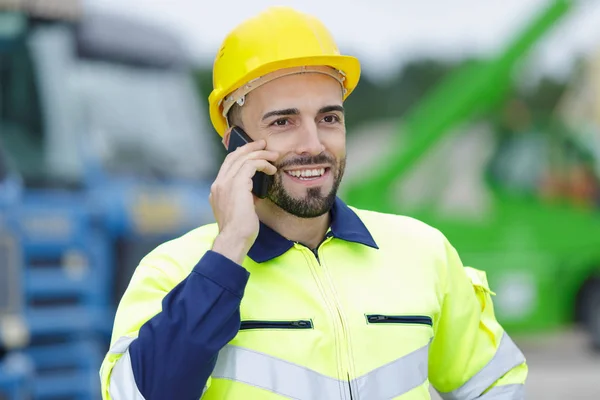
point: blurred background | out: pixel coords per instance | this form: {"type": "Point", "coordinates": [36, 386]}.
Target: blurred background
{"type": "Point", "coordinates": [479, 118]}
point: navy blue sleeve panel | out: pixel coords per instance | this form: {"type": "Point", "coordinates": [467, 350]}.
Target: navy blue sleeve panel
{"type": "Point", "coordinates": [177, 349]}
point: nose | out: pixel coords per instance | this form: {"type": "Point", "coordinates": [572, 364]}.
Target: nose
{"type": "Point", "coordinates": [309, 141]}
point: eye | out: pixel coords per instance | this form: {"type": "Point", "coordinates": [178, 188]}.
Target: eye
{"type": "Point", "coordinates": [330, 119]}
{"type": "Point", "coordinates": [280, 122]}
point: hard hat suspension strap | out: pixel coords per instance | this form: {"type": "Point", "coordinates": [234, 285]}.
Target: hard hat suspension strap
{"type": "Point", "coordinates": [239, 95]}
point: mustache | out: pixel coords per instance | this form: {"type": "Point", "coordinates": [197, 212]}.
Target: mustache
{"type": "Point", "coordinates": [307, 160]}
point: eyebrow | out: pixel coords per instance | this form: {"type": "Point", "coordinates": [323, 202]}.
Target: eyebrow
{"type": "Point", "coordinates": [327, 109]}
{"type": "Point", "coordinates": [295, 111]}
{"type": "Point", "coordinates": [279, 113]}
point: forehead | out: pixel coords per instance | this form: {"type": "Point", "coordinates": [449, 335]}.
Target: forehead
{"type": "Point", "coordinates": [298, 90]}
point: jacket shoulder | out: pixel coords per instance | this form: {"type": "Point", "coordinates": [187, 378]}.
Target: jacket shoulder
{"type": "Point", "coordinates": [395, 228]}
{"type": "Point", "coordinates": [180, 255]}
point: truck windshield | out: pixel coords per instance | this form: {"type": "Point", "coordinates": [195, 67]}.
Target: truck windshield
{"type": "Point", "coordinates": [141, 121]}
{"type": "Point", "coordinates": [63, 114]}
{"type": "Point", "coordinates": [21, 125]}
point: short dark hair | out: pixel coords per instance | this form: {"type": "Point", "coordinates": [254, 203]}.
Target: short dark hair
{"type": "Point", "coordinates": [234, 116]}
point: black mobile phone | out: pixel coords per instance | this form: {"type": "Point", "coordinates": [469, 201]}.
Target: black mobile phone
{"type": "Point", "coordinates": [261, 182]}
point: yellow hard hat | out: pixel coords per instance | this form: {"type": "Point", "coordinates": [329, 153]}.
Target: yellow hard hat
{"type": "Point", "coordinates": [278, 39]}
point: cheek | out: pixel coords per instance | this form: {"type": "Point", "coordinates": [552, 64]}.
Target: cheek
{"type": "Point", "coordinates": [334, 142]}
{"type": "Point", "coordinates": [280, 143]}
{"type": "Point", "coordinates": [336, 145]}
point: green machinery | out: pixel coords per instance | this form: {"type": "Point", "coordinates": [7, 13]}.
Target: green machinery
{"type": "Point", "coordinates": [542, 258]}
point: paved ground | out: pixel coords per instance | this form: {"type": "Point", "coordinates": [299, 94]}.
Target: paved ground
{"type": "Point", "coordinates": [561, 367]}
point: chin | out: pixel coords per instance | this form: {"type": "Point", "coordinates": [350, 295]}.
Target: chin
{"type": "Point", "coordinates": [303, 194]}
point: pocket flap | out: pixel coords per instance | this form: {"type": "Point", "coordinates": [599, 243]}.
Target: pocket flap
{"type": "Point", "coordinates": [479, 279]}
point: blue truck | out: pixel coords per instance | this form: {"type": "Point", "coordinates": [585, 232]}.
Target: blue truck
{"type": "Point", "coordinates": [104, 152]}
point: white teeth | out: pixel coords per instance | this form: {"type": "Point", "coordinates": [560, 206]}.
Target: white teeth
{"type": "Point", "coordinates": [307, 173]}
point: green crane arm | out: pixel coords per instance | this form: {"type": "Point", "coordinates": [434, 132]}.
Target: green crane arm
{"type": "Point", "coordinates": [466, 93]}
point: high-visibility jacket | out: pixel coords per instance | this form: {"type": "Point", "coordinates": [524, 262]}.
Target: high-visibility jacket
{"type": "Point", "coordinates": [381, 309]}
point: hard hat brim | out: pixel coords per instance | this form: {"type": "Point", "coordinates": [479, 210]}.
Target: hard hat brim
{"type": "Point", "coordinates": [348, 65]}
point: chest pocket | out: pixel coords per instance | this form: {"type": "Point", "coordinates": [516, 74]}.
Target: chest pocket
{"type": "Point", "coordinates": [409, 326]}
{"type": "Point", "coordinates": [390, 352]}
{"type": "Point", "coordinates": [295, 324]}
{"type": "Point", "coordinates": [270, 358]}
{"type": "Point", "coordinates": [277, 337]}
{"type": "Point", "coordinates": [399, 319]}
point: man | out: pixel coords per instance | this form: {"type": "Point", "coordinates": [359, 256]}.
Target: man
{"type": "Point", "coordinates": [299, 295]}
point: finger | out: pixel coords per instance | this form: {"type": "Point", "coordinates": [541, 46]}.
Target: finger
{"type": "Point", "coordinates": [265, 166]}
{"type": "Point", "coordinates": [257, 155]}
{"type": "Point", "coordinates": [252, 166]}
{"type": "Point", "coordinates": [238, 153]}
{"type": "Point", "coordinates": [268, 155]}
{"type": "Point", "coordinates": [245, 150]}
{"type": "Point", "coordinates": [245, 172]}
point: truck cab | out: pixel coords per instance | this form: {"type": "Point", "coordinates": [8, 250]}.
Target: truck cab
{"type": "Point", "coordinates": [106, 109]}
{"type": "Point", "coordinates": [105, 150]}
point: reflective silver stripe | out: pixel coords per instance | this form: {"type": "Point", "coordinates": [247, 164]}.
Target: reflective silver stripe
{"type": "Point", "coordinates": [507, 357]}
{"type": "Point", "coordinates": [395, 378]}
{"type": "Point", "coordinates": [506, 392]}
{"type": "Point", "coordinates": [276, 375]}
{"type": "Point", "coordinates": [298, 382]}
{"type": "Point", "coordinates": [122, 383]}
{"type": "Point", "coordinates": [121, 345]}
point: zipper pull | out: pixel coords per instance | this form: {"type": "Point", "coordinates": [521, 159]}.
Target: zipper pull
{"type": "Point", "coordinates": [301, 324]}
{"type": "Point", "coordinates": [373, 318]}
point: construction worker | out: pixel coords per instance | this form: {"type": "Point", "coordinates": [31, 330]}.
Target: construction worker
{"type": "Point", "coordinates": [298, 295]}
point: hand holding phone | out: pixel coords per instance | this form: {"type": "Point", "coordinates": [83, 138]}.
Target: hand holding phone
{"type": "Point", "coordinates": [261, 182]}
{"type": "Point", "coordinates": [232, 202]}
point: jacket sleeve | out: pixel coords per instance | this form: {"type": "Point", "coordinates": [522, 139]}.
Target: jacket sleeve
{"type": "Point", "coordinates": [471, 356]}
{"type": "Point", "coordinates": [167, 334]}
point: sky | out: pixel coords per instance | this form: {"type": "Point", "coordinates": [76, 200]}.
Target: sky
{"type": "Point", "coordinates": [387, 33]}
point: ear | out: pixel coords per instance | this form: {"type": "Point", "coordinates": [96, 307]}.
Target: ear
{"type": "Point", "coordinates": [226, 137]}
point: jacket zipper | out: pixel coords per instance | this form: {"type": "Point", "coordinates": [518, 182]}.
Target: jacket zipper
{"type": "Point", "coordinates": [301, 324]}
{"type": "Point", "coordinates": [333, 303]}
{"type": "Point", "coordinates": [399, 319]}
{"type": "Point", "coordinates": [345, 330]}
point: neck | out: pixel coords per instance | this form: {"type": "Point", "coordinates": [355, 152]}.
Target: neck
{"type": "Point", "coordinates": [307, 231]}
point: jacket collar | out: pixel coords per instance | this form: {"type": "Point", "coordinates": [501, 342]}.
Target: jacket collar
{"type": "Point", "coordinates": [345, 225]}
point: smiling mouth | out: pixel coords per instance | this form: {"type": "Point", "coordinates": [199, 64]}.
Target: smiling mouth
{"type": "Point", "coordinates": [307, 174]}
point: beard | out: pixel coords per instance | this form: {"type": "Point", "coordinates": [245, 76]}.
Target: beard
{"type": "Point", "coordinates": [314, 203]}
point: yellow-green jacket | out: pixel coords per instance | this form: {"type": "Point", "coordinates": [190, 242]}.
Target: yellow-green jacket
{"type": "Point", "coordinates": [381, 310]}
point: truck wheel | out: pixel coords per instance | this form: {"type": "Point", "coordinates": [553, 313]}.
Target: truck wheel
{"type": "Point", "coordinates": [591, 312]}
